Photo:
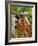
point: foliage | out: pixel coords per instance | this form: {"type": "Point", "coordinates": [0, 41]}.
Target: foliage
{"type": "Point", "coordinates": [22, 9]}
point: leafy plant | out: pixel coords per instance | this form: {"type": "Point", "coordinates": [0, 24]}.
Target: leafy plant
{"type": "Point", "coordinates": [21, 9]}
